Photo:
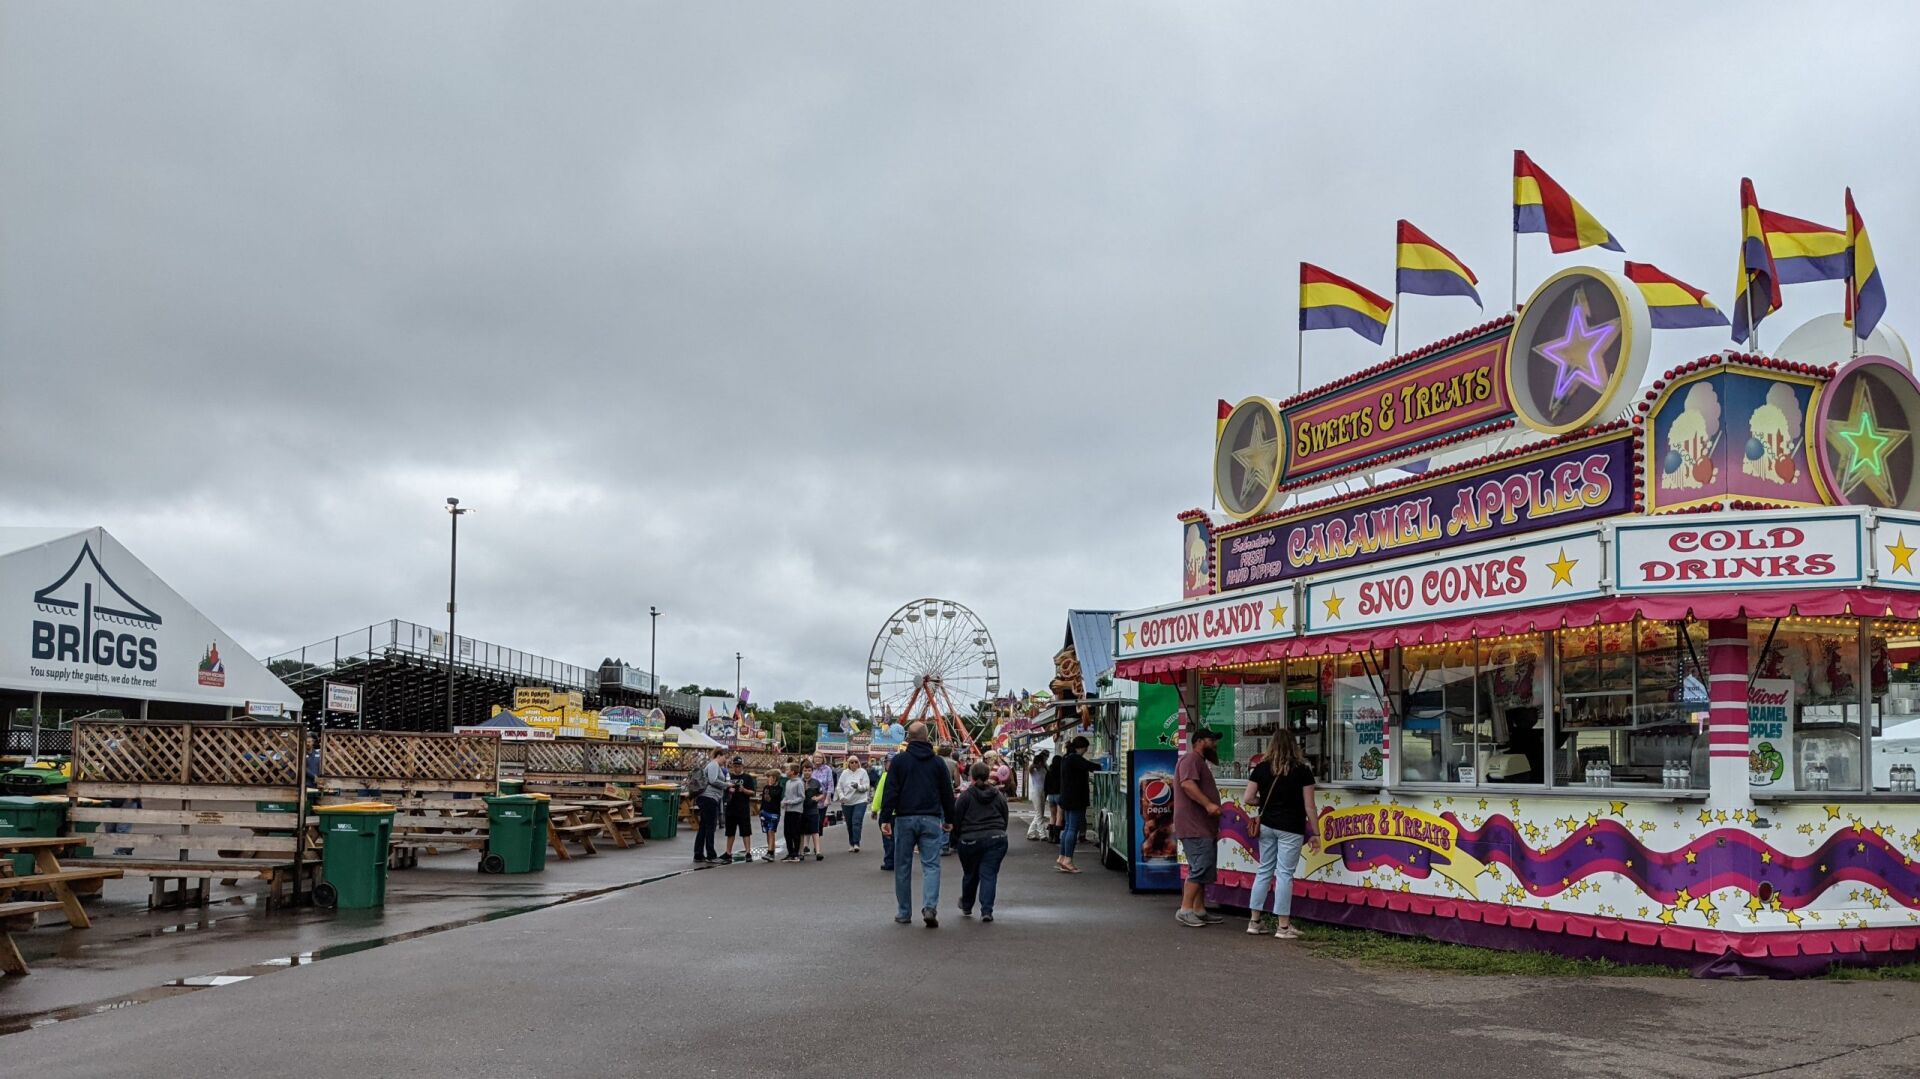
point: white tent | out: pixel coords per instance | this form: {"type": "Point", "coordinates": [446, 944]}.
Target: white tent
{"type": "Point", "coordinates": [692, 738]}
{"type": "Point", "coordinates": [80, 615]}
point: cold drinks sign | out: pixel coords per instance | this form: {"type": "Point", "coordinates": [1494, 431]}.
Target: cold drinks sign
{"type": "Point", "coordinates": [1247, 617]}
{"type": "Point", "coordinates": [1753, 550]}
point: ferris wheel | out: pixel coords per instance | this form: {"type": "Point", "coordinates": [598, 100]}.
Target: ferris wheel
{"type": "Point", "coordinates": [933, 660]}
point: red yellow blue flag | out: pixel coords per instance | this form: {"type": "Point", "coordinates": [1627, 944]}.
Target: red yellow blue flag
{"type": "Point", "coordinates": [1331, 302]}
{"type": "Point", "coordinates": [1757, 292]}
{"type": "Point", "coordinates": [1804, 251]}
{"type": "Point", "coordinates": [1540, 205]}
{"type": "Point", "coordinates": [1424, 268]}
{"type": "Point", "coordinates": [1672, 304]}
{"type": "Point", "coordinates": [1866, 294]}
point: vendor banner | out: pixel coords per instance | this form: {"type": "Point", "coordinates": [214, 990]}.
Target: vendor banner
{"type": "Point", "coordinates": [1399, 837]}
{"type": "Point", "coordinates": [1415, 402]}
{"type": "Point", "coordinates": [1261, 615]}
{"type": "Point", "coordinates": [1752, 550]}
{"type": "Point", "coordinates": [1491, 577]}
{"type": "Point", "coordinates": [1558, 487]}
{"type": "Point", "coordinates": [1770, 734]}
{"type": "Point", "coordinates": [1153, 858]}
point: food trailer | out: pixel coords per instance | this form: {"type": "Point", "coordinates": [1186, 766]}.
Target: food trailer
{"type": "Point", "coordinates": [1606, 677]}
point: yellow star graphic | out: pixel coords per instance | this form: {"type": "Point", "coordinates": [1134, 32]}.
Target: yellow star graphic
{"type": "Point", "coordinates": [1706, 816]}
{"type": "Point", "coordinates": [1682, 897]}
{"type": "Point", "coordinates": [1642, 912]}
{"type": "Point", "coordinates": [1902, 554]}
{"type": "Point", "coordinates": [1833, 812]}
{"type": "Point", "coordinates": [1562, 570]}
{"type": "Point", "coordinates": [1721, 816]}
{"type": "Point", "coordinates": [1692, 857]}
{"type": "Point", "coordinates": [1278, 612]}
{"type": "Point", "coordinates": [1705, 902]}
{"type": "Point", "coordinates": [1589, 841]}
{"type": "Point", "coordinates": [1618, 809]}
{"type": "Point", "coordinates": [1483, 803]}
{"type": "Point", "coordinates": [1667, 917]}
{"type": "Point", "coordinates": [1129, 635]}
{"type": "Point", "coordinates": [1754, 906]}
{"type": "Point", "coordinates": [1766, 857]}
{"type": "Point", "coordinates": [1861, 847]}
{"type": "Point", "coordinates": [1333, 603]}
{"type": "Point", "coordinates": [1793, 918]}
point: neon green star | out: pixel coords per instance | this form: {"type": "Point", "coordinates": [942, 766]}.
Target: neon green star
{"type": "Point", "coordinates": [1866, 444]}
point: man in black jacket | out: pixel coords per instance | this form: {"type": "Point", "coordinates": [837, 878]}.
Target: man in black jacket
{"type": "Point", "coordinates": [1076, 794]}
{"type": "Point", "coordinates": [917, 810]}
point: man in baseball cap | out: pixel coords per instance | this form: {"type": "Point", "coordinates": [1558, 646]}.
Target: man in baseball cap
{"type": "Point", "coordinates": [1196, 823]}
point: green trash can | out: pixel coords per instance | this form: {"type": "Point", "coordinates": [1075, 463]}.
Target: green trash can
{"type": "Point", "coordinates": [513, 786]}
{"type": "Point", "coordinates": [660, 804]}
{"type": "Point", "coordinates": [516, 834]}
{"type": "Point", "coordinates": [353, 866]}
{"type": "Point", "coordinates": [24, 817]}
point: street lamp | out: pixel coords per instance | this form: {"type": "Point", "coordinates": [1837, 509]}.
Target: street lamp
{"type": "Point", "coordinates": [453, 579]}
{"type": "Point", "coordinates": [653, 654]}
{"type": "Point", "coordinates": [736, 679]}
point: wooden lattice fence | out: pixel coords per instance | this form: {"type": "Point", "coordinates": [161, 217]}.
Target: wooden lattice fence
{"type": "Point", "coordinates": [380, 759]}
{"type": "Point", "coordinates": [583, 758]}
{"type": "Point", "coordinates": [197, 753]}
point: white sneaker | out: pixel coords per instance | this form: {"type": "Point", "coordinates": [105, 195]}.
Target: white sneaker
{"type": "Point", "coordinates": [1256, 929]}
{"type": "Point", "coordinates": [1190, 919]}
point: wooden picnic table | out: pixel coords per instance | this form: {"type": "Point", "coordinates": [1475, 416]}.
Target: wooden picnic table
{"type": "Point", "coordinates": [616, 818]}
{"type": "Point", "coordinates": [568, 822]}
{"type": "Point", "coordinates": [47, 876]}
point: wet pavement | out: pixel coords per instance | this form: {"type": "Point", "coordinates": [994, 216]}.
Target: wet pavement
{"type": "Point", "coordinates": [799, 970]}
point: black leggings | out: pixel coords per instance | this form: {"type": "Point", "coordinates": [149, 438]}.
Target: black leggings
{"type": "Point", "coordinates": [796, 825]}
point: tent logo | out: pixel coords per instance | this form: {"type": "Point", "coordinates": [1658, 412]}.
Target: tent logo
{"type": "Point", "coordinates": [87, 596]}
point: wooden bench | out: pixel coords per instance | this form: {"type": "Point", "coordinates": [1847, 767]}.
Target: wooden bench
{"type": "Point", "coordinates": [616, 818]}
{"type": "Point", "coordinates": [48, 876]}
{"type": "Point", "coordinates": [215, 833]}
{"type": "Point", "coordinates": [565, 824]}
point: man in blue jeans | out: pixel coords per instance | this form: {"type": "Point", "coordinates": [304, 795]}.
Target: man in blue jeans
{"type": "Point", "coordinates": [916, 810]}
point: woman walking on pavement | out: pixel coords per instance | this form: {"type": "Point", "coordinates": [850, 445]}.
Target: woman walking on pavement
{"type": "Point", "coordinates": [853, 792]}
{"type": "Point", "coordinates": [1037, 793]}
{"type": "Point", "coordinates": [793, 809]}
{"type": "Point", "coordinates": [823, 803]}
{"type": "Point", "coordinates": [980, 835]}
{"type": "Point", "coordinates": [1282, 786]}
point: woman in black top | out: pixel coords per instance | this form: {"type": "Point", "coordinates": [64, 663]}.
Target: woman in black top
{"type": "Point", "coordinates": [980, 836]}
{"type": "Point", "coordinates": [1282, 786]}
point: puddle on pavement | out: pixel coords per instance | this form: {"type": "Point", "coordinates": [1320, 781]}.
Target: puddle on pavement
{"type": "Point", "coordinates": [14, 1024]}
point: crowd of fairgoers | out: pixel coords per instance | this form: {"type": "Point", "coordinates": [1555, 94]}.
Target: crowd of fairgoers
{"type": "Point", "coordinates": [925, 798]}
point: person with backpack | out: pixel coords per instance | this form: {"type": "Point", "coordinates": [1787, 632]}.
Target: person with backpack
{"type": "Point", "coordinates": [793, 811]}
{"type": "Point", "coordinates": [917, 810]}
{"type": "Point", "coordinates": [712, 793]}
{"type": "Point", "coordinates": [980, 837]}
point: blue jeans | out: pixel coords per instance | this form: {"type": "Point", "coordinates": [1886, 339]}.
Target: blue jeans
{"type": "Point", "coordinates": [980, 865]}
{"type": "Point", "coordinates": [927, 834]}
{"type": "Point", "coordinates": [1279, 854]}
{"type": "Point", "coordinates": [856, 817]}
{"type": "Point", "coordinates": [1072, 822]}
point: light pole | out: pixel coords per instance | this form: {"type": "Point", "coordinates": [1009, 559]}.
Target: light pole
{"type": "Point", "coordinates": [736, 679]}
{"type": "Point", "coordinates": [653, 654]}
{"type": "Point", "coordinates": [453, 579]}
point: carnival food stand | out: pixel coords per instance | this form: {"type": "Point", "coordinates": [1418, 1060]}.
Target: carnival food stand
{"type": "Point", "coordinates": [1610, 687]}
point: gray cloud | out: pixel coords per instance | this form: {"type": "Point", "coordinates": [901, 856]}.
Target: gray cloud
{"type": "Point", "coordinates": [778, 317]}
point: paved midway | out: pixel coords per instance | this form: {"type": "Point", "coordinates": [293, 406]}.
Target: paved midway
{"type": "Point", "coordinates": [771, 970]}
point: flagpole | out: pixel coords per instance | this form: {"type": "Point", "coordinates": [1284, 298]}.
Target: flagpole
{"type": "Point", "coordinates": [1299, 360]}
{"type": "Point", "coordinates": [1513, 270]}
{"type": "Point", "coordinates": [1396, 320]}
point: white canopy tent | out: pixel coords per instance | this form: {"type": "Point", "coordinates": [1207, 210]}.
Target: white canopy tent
{"type": "Point", "coordinates": [80, 616]}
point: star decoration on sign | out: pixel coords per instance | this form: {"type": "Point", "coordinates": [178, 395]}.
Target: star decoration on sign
{"type": "Point", "coordinates": [1863, 444]}
{"type": "Point", "coordinates": [1902, 554]}
{"type": "Point", "coordinates": [1333, 603]}
{"type": "Point", "coordinates": [1129, 635]}
{"type": "Point", "coordinates": [1257, 460]}
{"type": "Point", "coordinates": [1580, 355]}
{"type": "Point", "coordinates": [1563, 570]}
{"type": "Point", "coordinates": [1278, 612]}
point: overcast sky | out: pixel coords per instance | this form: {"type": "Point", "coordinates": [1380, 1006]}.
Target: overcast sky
{"type": "Point", "coordinates": [780, 315]}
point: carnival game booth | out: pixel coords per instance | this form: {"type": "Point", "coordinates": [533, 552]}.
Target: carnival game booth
{"type": "Point", "coordinates": [1610, 687]}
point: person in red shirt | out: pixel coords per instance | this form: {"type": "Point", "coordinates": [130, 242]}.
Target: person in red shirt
{"type": "Point", "coordinates": [1196, 824]}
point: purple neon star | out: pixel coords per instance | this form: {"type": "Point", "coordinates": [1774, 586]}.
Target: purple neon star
{"type": "Point", "coordinates": [1593, 339]}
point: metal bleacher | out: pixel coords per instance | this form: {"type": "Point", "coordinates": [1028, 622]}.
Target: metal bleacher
{"type": "Point", "coordinates": [401, 670]}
